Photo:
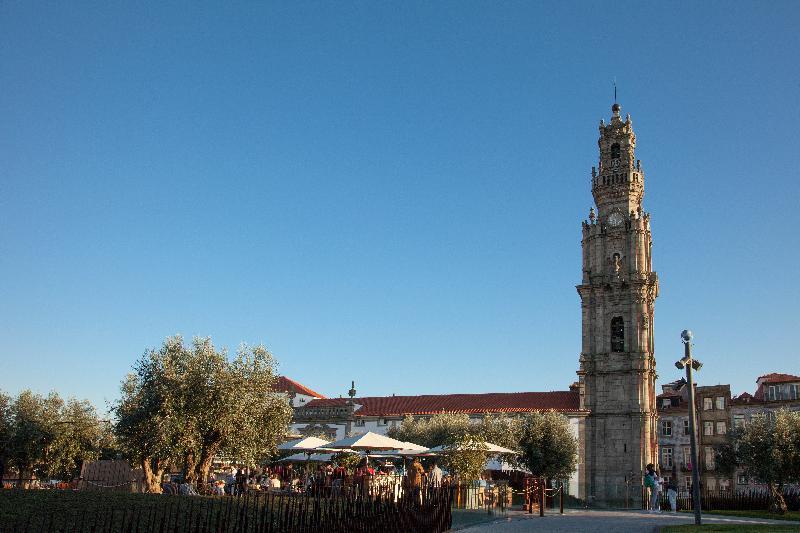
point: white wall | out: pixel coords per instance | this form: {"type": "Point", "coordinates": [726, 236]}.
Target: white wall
{"type": "Point", "coordinates": [572, 486]}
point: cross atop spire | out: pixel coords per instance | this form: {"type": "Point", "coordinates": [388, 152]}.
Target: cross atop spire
{"type": "Point", "coordinates": [615, 89]}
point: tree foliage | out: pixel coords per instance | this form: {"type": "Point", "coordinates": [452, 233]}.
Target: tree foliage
{"type": "Point", "coordinates": [466, 438]}
{"type": "Point", "coordinates": [548, 446]}
{"type": "Point", "coordinates": [48, 437]}
{"type": "Point", "coordinates": [5, 431]}
{"type": "Point", "coordinates": [766, 450]}
{"type": "Point", "coordinates": [466, 458]}
{"type": "Point", "coordinates": [348, 460]}
{"type": "Point", "coordinates": [450, 428]}
{"type": "Point", "coordinates": [182, 405]}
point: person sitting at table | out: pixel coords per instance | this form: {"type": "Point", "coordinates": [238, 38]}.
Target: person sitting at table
{"type": "Point", "coordinates": [274, 482]}
{"type": "Point", "coordinates": [288, 473]}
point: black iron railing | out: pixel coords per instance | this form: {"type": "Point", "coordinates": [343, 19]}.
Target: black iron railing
{"type": "Point", "coordinates": [403, 509]}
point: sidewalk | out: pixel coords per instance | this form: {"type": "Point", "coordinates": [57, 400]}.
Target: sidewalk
{"type": "Point", "coordinates": [580, 520]}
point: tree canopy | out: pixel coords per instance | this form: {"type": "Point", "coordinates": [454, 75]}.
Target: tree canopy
{"type": "Point", "coordinates": [548, 446]}
{"type": "Point", "coordinates": [48, 437]}
{"type": "Point", "coordinates": [466, 438]}
{"type": "Point", "coordinates": [450, 428]}
{"type": "Point", "coordinates": [766, 450]}
{"type": "Point", "coordinates": [182, 405]}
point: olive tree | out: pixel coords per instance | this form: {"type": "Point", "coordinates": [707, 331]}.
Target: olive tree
{"type": "Point", "coordinates": [440, 429]}
{"type": "Point", "coordinates": [448, 428]}
{"type": "Point", "coordinates": [548, 447]}
{"type": "Point", "coordinates": [80, 436]}
{"type": "Point", "coordinates": [46, 436]}
{"type": "Point", "coordinates": [466, 458]}
{"type": "Point", "coordinates": [5, 431]}
{"type": "Point", "coordinates": [766, 450]}
{"type": "Point", "coordinates": [149, 424]}
{"type": "Point", "coordinates": [466, 439]}
{"type": "Point", "coordinates": [183, 405]}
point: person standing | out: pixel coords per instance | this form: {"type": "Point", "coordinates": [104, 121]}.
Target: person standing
{"type": "Point", "coordinates": [414, 476]}
{"type": "Point", "coordinates": [672, 494]}
{"type": "Point", "coordinates": [655, 504]}
{"type": "Point", "coordinates": [435, 475]}
{"type": "Point", "coordinates": [649, 483]}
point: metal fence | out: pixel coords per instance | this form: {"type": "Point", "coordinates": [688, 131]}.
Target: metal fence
{"type": "Point", "coordinates": [403, 510]}
{"type": "Point", "coordinates": [728, 500]}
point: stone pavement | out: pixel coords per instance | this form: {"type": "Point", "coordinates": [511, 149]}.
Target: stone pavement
{"type": "Point", "coordinates": [606, 522]}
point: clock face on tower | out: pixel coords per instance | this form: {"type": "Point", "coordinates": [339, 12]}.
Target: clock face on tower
{"type": "Point", "coordinates": [615, 219]}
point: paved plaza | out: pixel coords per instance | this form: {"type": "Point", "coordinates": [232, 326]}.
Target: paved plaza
{"type": "Point", "coordinates": [607, 522]}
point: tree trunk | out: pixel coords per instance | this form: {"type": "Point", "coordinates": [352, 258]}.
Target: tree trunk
{"type": "Point", "coordinates": [24, 478]}
{"type": "Point", "coordinates": [777, 503]}
{"type": "Point", "coordinates": [190, 467]}
{"type": "Point", "coordinates": [153, 471]}
{"type": "Point", "coordinates": [204, 464]}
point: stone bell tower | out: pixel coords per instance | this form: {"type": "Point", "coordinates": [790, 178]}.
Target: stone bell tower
{"type": "Point", "coordinates": [618, 290]}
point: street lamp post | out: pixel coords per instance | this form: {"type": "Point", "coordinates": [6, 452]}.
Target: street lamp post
{"type": "Point", "coordinates": [691, 364]}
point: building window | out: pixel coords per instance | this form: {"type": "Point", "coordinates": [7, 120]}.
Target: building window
{"type": "Point", "coordinates": [666, 457]}
{"type": "Point", "coordinates": [773, 393]}
{"type": "Point", "coordinates": [686, 427]}
{"type": "Point", "coordinates": [738, 421]}
{"type": "Point", "coordinates": [381, 421]}
{"type": "Point", "coordinates": [708, 404]}
{"type": "Point", "coordinates": [721, 428]}
{"type": "Point", "coordinates": [720, 401]}
{"type": "Point", "coordinates": [666, 402]}
{"type": "Point", "coordinates": [360, 423]}
{"type": "Point", "coordinates": [687, 482]}
{"type": "Point", "coordinates": [741, 480]}
{"type": "Point", "coordinates": [617, 334]}
{"type": "Point", "coordinates": [615, 151]}
{"type": "Point", "coordinates": [687, 457]}
{"type": "Point", "coordinates": [666, 428]}
{"type": "Point", "coordinates": [793, 392]}
{"type": "Point", "coordinates": [709, 456]}
{"type": "Point", "coordinates": [708, 428]}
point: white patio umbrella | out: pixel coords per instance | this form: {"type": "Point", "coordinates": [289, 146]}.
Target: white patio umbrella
{"type": "Point", "coordinates": [488, 446]}
{"type": "Point", "coordinates": [497, 464]}
{"type": "Point", "coordinates": [369, 441]}
{"type": "Point", "coordinates": [313, 458]}
{"type": "Point", "coordinates": [399, 453]}
{"type": "Point", "coordinates": [303, 445]}
{"type": "Point", "coordinates": [414, 447]}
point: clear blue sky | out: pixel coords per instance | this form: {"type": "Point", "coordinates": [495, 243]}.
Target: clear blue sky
{"type": "Point", "coordinates": [387, 192]}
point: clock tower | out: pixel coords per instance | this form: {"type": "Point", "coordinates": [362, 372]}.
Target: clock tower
{"type": "Point", "coordinates": [617, 291]}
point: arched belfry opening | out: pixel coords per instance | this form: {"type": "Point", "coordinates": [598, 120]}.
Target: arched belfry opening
{"type": "Point", "coordinates": [617, 334]}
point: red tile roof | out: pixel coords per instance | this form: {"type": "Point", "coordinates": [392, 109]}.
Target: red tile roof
{"type": "Point", "coordinates": [285, 384]}
{"type": "Point", "coordinates": [744, 397]}
{"type": "Point", "coordinates": [497, 402]}
{"type": "Point", "coordinates": [778, 378]}
{"type": "Point", "coordinates": [770, 379]}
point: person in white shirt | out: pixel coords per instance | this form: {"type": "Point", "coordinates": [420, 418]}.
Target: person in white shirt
{"type": "Point", "coordinates": [435, 475]}
{"type": "Point", "coordinates": [274, 482]}
{"type": "Point", "coordinates": [655, 506]}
